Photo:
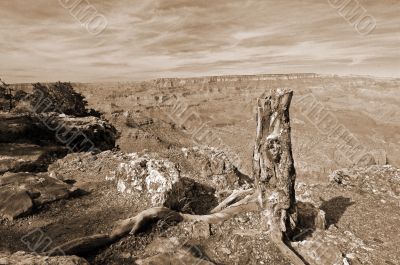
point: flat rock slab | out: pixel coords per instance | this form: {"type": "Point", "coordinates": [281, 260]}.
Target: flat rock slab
{"type": "Point", "coordinates": [14, 203]}
{"type": "Point", "coordinates": [20, 192]}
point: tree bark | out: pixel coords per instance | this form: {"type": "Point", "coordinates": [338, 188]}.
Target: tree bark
{"type": "Point", "coordinates": [273, 166]}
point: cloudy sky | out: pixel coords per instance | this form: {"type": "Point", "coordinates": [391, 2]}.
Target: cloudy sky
{"type": "Point", "coordinates": [42, 40]}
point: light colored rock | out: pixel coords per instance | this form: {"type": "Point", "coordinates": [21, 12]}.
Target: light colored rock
{"type": "Point", "coordinates": [318, 252]}
{"type": "Point", "coordinates": [145, 174]}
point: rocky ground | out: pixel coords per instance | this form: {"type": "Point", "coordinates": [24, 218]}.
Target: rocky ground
{"type": "Point", "coordinates": [50, 194]}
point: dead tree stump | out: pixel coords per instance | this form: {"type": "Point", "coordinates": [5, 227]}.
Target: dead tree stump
{"type": "Point", "coordinates": [273, 165]}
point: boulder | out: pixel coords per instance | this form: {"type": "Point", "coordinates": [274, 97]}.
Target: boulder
{"type": "Point", "coordinates": [157, 180]}
{"type": "Point", "coordinates": [20, 192]}
{"type": "Point", "coordinates": [318, 252]}
{"type": "Point", "coordinates": [80, 133]}
{"type": "Point", "coordinates": [14, 203]}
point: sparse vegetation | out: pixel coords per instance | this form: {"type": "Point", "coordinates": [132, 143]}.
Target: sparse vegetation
{"type": "Point", "coordinates": [217, 213]}
{"type": "Point", "coordinates": [61, 97]}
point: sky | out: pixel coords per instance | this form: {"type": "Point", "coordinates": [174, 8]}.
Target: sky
{"type": "Point", "coordinates": [128, 40]}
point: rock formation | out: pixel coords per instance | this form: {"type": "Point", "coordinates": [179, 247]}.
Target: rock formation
{"type": "Point", "coordinates": [20, 193]}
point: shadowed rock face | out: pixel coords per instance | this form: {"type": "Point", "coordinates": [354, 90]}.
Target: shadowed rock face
{"type": "Point", "coordinates": [30, 142]}
{"type": "Point", "coordinates": [77, 133]}
{"type": "Point", "coordinates": [27, 157]}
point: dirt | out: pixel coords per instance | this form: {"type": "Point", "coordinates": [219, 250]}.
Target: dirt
{"type": "Point", "coordinates": [360, 203]}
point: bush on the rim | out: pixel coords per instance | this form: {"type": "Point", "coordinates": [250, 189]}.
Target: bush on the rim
{"type": "Point", "coordinates": [58, 97]}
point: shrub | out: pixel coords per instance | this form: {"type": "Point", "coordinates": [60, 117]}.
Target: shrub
{"type": "Point", "coordinates": [58, 97]}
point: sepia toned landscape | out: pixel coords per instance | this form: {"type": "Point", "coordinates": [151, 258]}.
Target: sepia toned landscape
{"type": "Point", "coordinates": [257, 140]}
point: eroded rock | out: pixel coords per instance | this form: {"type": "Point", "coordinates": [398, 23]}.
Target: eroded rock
{"type": "Point", "coordinates": [14, 203]}
{"type": "Point", "coordinates": [212, 165]}
{"type": "Point", "coordinates": [158, 180]}
{"type": "Point", "coordinates": [20, 192]}
{"type": "Point", "coordinates": [76, 133]}
{"type": "Point", "coordinates": [320, 252]}
{"type": "Point", "coordinates": [192, 180]}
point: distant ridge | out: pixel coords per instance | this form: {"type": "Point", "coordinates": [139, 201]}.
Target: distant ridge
{"type": "Point", "coordinates": [231, 78]}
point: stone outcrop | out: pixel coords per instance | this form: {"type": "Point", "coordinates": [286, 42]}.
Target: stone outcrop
{"type": "Point", "coordinates": [326, 247]}
{"type": "Point", "coordinates": [21, 192]}
{"type": "Point", "coordinates": [209, 164]}
{"type": "Point", "coordinates": [158, 180]}
{"type": "Point", "coordinates": [81, 133]}
{"type": "Point", "coordinates": [195, 179]}
{"type": "Point", "coordinates": [148, 178]}
{"type": "Point", "coordinates": [76, 133]}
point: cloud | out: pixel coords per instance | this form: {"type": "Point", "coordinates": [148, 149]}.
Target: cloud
{"type": "Point", "coordinates": [42, 41]}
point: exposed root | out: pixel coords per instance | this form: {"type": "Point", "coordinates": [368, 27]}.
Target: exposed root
{"type": "Point", "coordinates": [135, 224]}
{"type": "Point", "coordinates": [82, 245]}
{"type": "Point", "coordinates": [236, 194]}
{"type": "Point", "coordinates": [249, 203]}
{"type": "Point", "coordinates": [284, 247]}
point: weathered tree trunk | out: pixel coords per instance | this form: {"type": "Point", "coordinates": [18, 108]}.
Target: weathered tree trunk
{"type": "Point", "coordinates": [273, 165]}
